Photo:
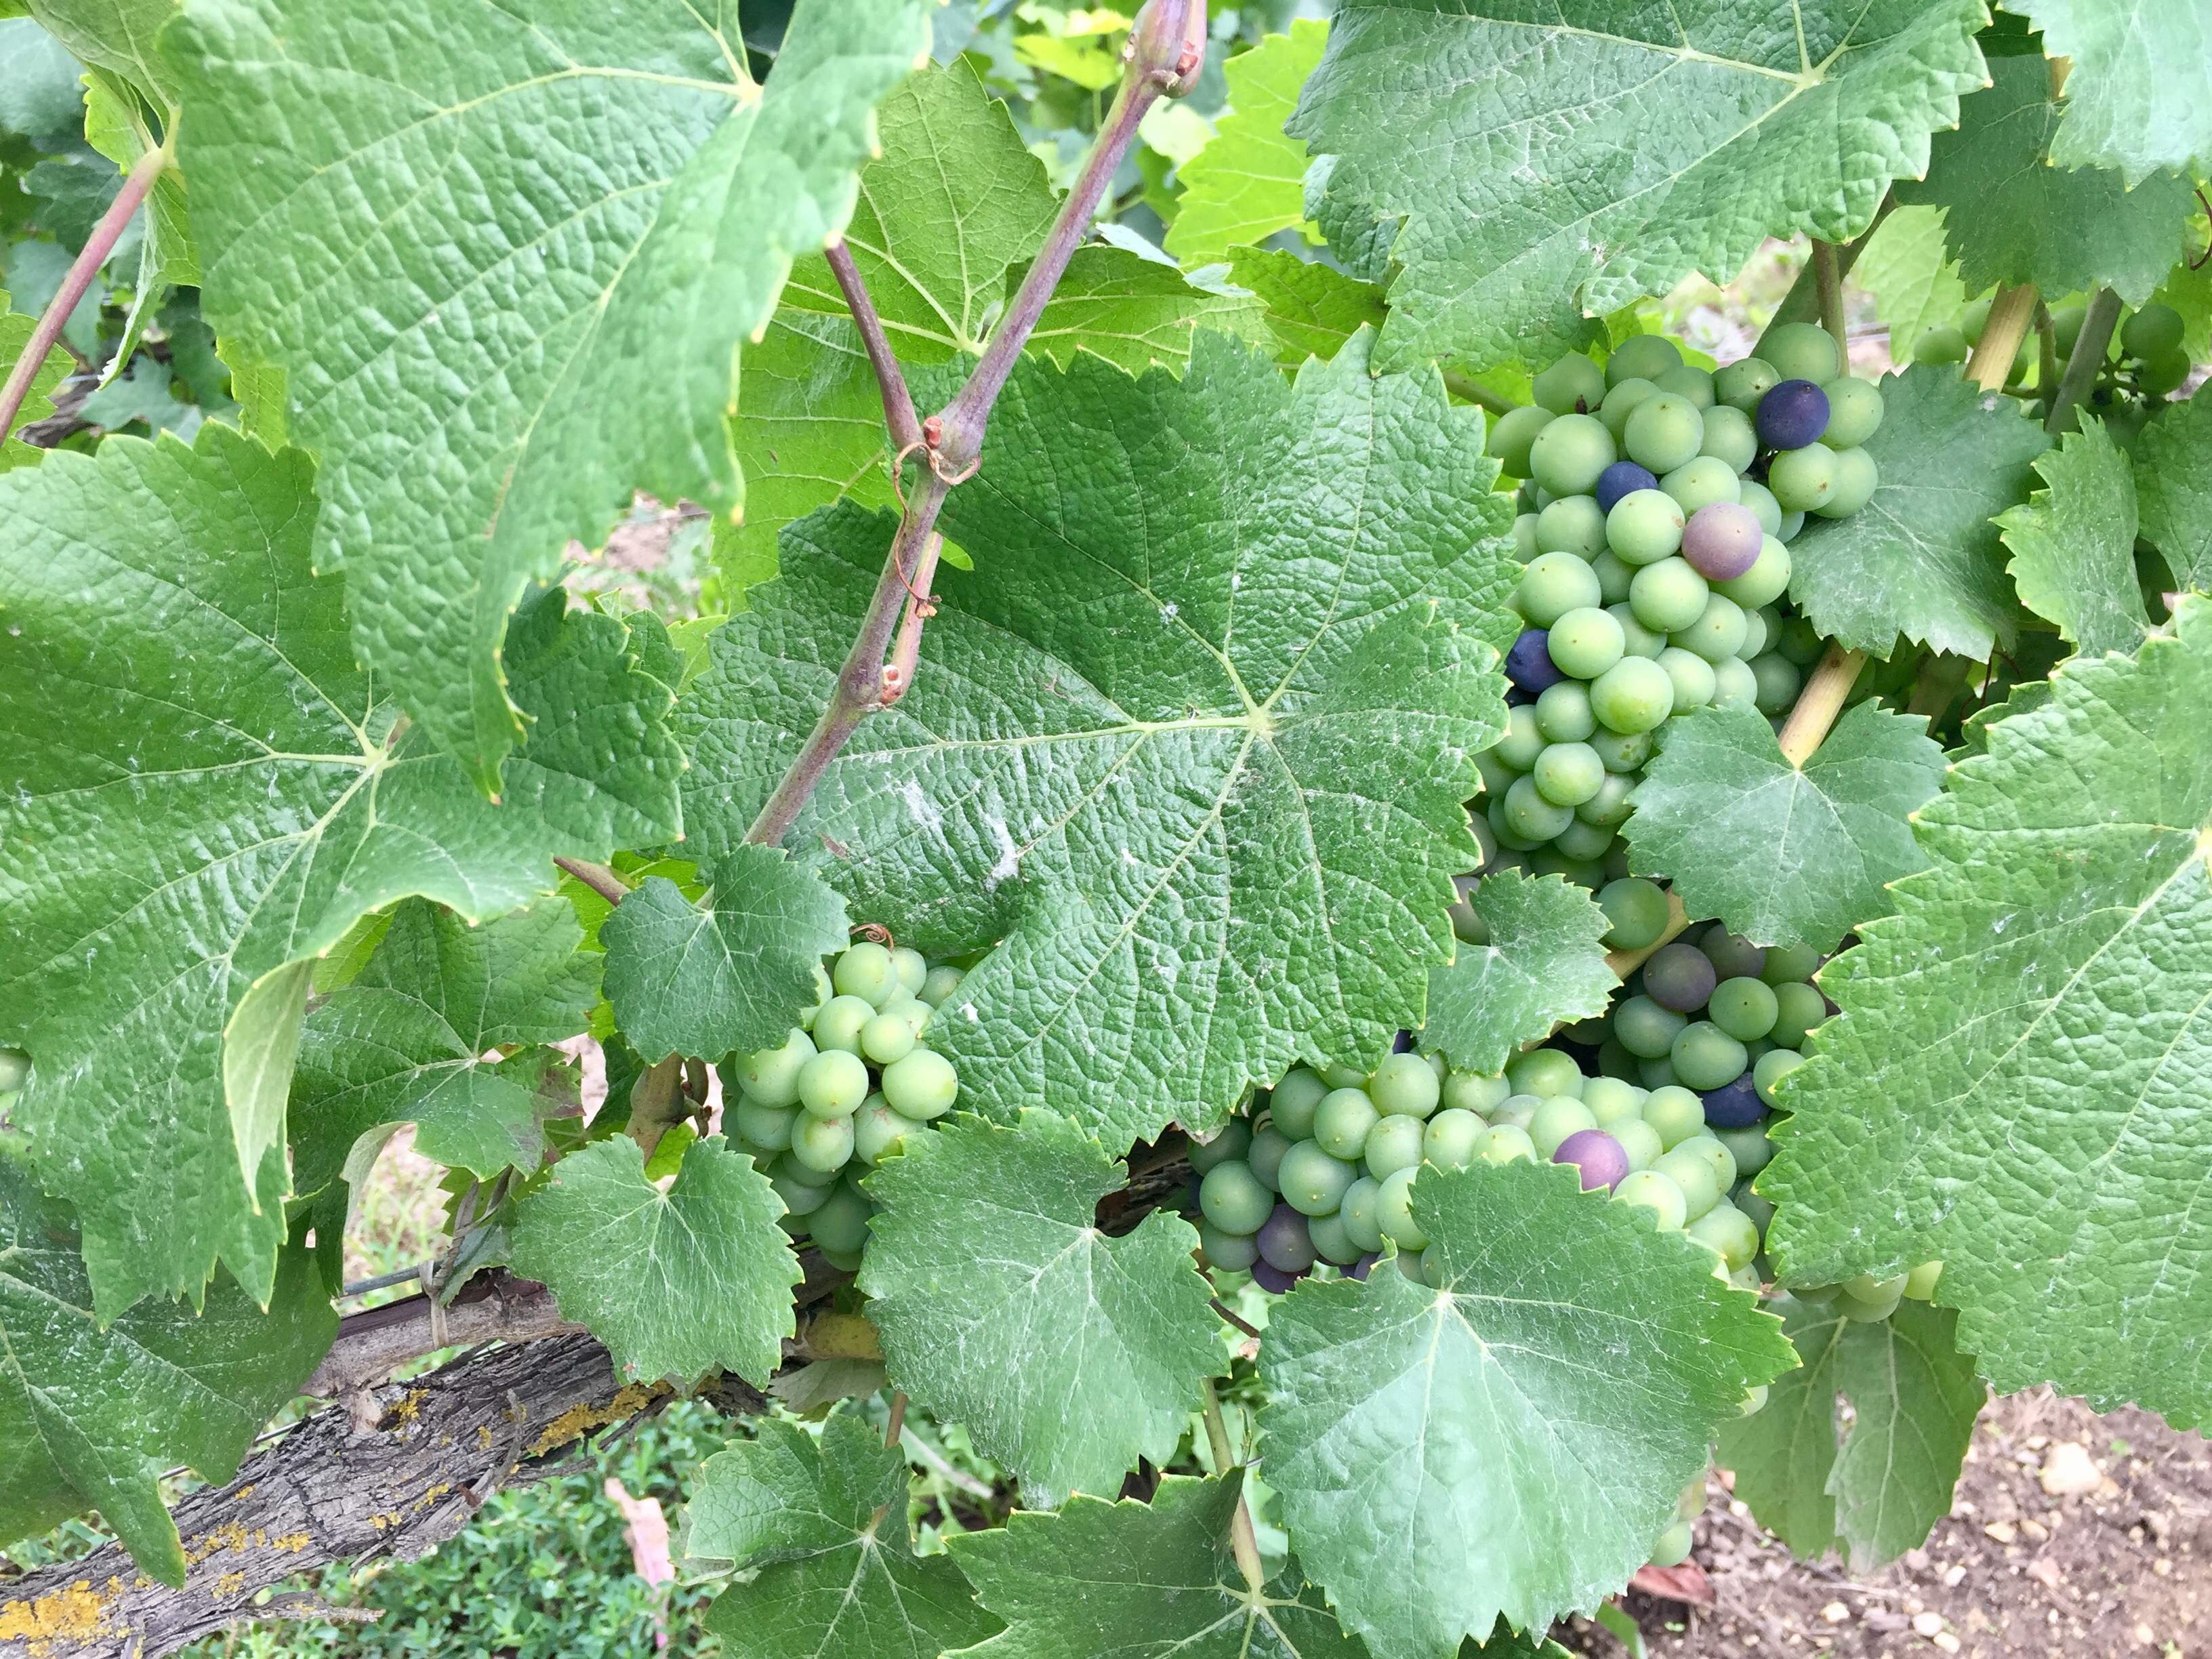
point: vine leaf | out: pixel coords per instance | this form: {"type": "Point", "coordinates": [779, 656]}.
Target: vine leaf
{"type": "Point", "coordinates": [675, 1282]}
{"type": "Point", "coordinates": [1135, 313]}
{"type": "Point", "coordinates": [1512, 1444]}
{"type": "Point", "coordinates": [1102, 1580]}
{"type": "Point", "coordinates": [1544, 171]}
{"type": "Point", "coordinates": [172, 1385]}
{"type": "Point", "coordinates": [1832, 835]}
{"type": "Point", "coordinates": [206, 789]}
{"type": "Point", "coordinates": [1873, 1484]}
{"type": "Point", "coordinates": [15, 336]}
{"type": "Point", "coordinates": [731, 972]}
{"type": "Point", "coordinates": [1915, 282]}
{"type": "Point", "coordinates": [1193, 746]}
{"type": "Point", "coordinates": [1248, 181]}
{"type": "Point", "coordinates": [507, 260]}
{"type": "Point", "coordinates": [824, 1527]}
{"type": "Point", "coordinates": [1922, 559]}
{"type": "Point", "coordinates": [1311, 308]}
{"type": "Point", "coordinates": [2173, 490]}
{"type": "Point", "coordinates": [1068, 1354]}
{"type": "Point", "coordinates": [404, 1041]}
{"type": "Point", "coordinates": [2139, 97]}
{"type": "Point", "coordinates": [2074, 543]}
{"type": "Point", "coordinates": [1544, 963]}
{"type": "Point", "coordinates": [2011, 217]}
{"type": "Point", "coordinates": [2034, 1014]}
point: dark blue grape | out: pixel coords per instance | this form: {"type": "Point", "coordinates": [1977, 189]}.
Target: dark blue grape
{"type": "Point", "coordinates": [1791, 415]}
{"type": "Point", "coordinates": [1359, 1268]}
{"type": "Point", "coordinates": [1734, 1106]}
{"type": "Point", "coordinates": [1270, 1278]}
{"type": "Point", "coordinates": [1680, 977]}
{"type": "Point", "coordinates": [1528, 665]}
{"type": "Point", "coordinates": [1284, 1243]}
{"type": "Point", "coordinates": [1622, 479]}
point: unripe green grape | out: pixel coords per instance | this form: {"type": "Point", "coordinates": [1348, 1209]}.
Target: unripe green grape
{"type": "Point", "coordinates": [1728, 1232]}
{"type": "Point", "coordinates": [1554, 584]}
{"type": "Point", "coordinates": [941, 983]}
{"type": "Point", "coordinates": [1856, 479]}
{"type": "Point", "coordinates": [1504, 1142]}
{"type": "Point", "coordinates": [799, 1197]}
{"type": "Point", "coordinates": [1569, 453]}
{"type": "Point", "coordinates": [1264, 1158]}
{"type": "Point", "coordinates": [1524, 537]}
{"type": "Point", "coordinates": [1705, 1056]}
{"type": "Point", "coordinates": [1693, 676]}
{"type": "Point", "coordinates": [1656, 1194]}
{"type": "Point", "coordinates": [1778, 683]}
{"type": "Point", "coordinates": [842, 1223]}
{"type": "Point", "coordinates": [15, 1070]}
{"type": "Point", "coordinates": [1744, 1008]}
{"type": "Point", "coordinates": [1497, 776]}
{"type": "Point", "coordinates": [1855, 410]}
{"type": "Point", "coordinates": [2153, 330]}
{"type": "Point", "coordinates": [1563, 713]}
{"type": "Point", "coordinates": [1501, 826]}
{"type": "Point", "coordinates": [912, 969]}
{"type": "Point", "coordinates": [1942, 343]}
{"type": "Point", "coordinates": [1404, 1084]}
{"type": "Point", "coordinates": [921, 1086]}
{"type": "Point", "coordinates": [790, 1164]}
{"type": "Point", "coordinates": [1740, 385]}
{"type": "Point", "coordinates": [768, 1127]}
{"type": "Point", "coordinates": [1642, 356]}
{"type": "Point", "coordinates": [1752, 1151]}
{"type": "Point", "coordinates": [1799, 1009]}
{"type": "Point", "coordinates": [1613, 576]}
{"type": "Point", "coordinates": [1792, 522]}
{"type": "Point", "coordinates": [1545, 1073]}
{"type": "Point", "coordinates": [1801, 351]}
{"type": "Point", "coordinates": [886, 1038]}
{"type": "Point", "coordinates": [1646, 1029]}
{"type": "Point", "coordinates": [1639, 1141]}
{"type": "Point", "coordinates": [822, 1143]}
{"type": "Point", "coordinates": [1654, 1074]}
{"type": "Point", "coordinates": [1644, 526]}
{"type": "Point", "coordinates": [1608, 809]}
{"type": "Point", "coordinates": [1529, 815]}
{"type": "Point", "coordinates": [1687, 380]}
{"type": "Point", "coordinates": [2157, 375]}
{"type": "Point", "coordinates": [1773, 1066]}
{"type": "Point", "coordinates": [1786, 964]}
{"type": "Point", "coordinates": [1582, 845]}
{"type": "Point", "coordinates": [1701, 482]}
{"type": "Point", "coordinates": [1664, 432]}
{"type": "Point", "coordinates": [1585, 642]}
{"type": "Point", "coordinates": [1760, 500]}
{"type": "Point", "coordinates": [1735, 686]}
{"type": "Point", "coordinates": [1313, 1182]}
{"type": "Point", "coordinates": [1682, 1165]}
{"type": "Point", "coordinates": [1471, 1091]}
{"type": "Point", "coordinates": [1625, 752]}
{"type": "Point", "coordinates": [1511, 434]}
{"type": "Point", "coordinates": [2066, 328]}
{"type": "Point", "coordinates": [1717, 633]}
{"type": "Point", "coordinates": [1558, 1118]}
{"type": "Point", "coordinates": [1802, 479]}
{"type": "Point", "coordinates": [822, 992]}
{"type": "Point", "coordinates": [1453, 1139]}
{"type": "Point", "coordinates": [1632, 696]}
{"type": "Point", "coordinates": [1232, 1253]}
{"type": "Point", "coordinates": [1612, 1102]}
{"type": "Point", "coordinates": [771, 1076]}
{"type": "Point", "coordinates": [1573, 525]}
{"type": "Point", "coordinates": [1394, 1212]}
{"type": "Point", "coordinates": [1357, 1214]}
{"type": "Point", "coordinates": [1766, 580]}
{"type": "Point", "coordinates": [1730, 439]}
{"type": "Point", "coordinates": [1638, 912]}
{"type": "Point", "coordinates": [1292, 1102]}
{"type": "Point", "coordinates": [866, 970]}
{"type": "Point", "coordinates": [1800, 642]}
{"type": "Point", "coordinates": [1234, 1199]}
{"type": "Point", "coordinates": [1636, 640]}
{"type": "Point", "coordinates": [1394, 1144]}
{"type": "Point", "coordinates": [832, 1084]}
{"type": "Point", "coordinates": [1759, 627]}
{"type": "Point", "coordinates": [1709, 1147]}
{"type": "Point", "coordinates": [1342, 1122]}
{"type": "Point", "coordinates": [1676, 1113]}
{"type": "Point", "coordinates": [1331, 1241]}
{"type": "Point", "coordinates": [1518, 1109]}
{"type": "Point", "coordinates": [1920, 1283]}
{"type": "Point", "coordinates": [1668, 596]}
{"type": "Point", "coordinates": [839, 1025]}
{"type": "Point", "coordinates": [1523, 740]}
{"type": "Point", "coordinates": [1621, 402]}
{"type": "Point", "coordinates": [1869, 1310]}
{"type": "Point", "coordinates": [1573, 379]}
{"type": "Point", "coordinates": [878, 1131]}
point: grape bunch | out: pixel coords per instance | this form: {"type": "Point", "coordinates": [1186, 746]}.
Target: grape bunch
{"type": "Point", "coordinates": [855, 1076]}
{"type": "Point", "coordinates": [2144, 360]}
{"type": "Point", "coordinates": [1661, 498]}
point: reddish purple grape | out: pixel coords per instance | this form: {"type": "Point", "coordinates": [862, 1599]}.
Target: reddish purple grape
{"type": "Point", "coordinates": [1284, 1243]}
{"type": "Point", "coordinates": [1791, 415]}
{"type": "Point", "coordinates": [1733, 1106]}
{"type": "Point", "coordinates": [1622, 479]}
{"type": "Point", "coordinates": [1597, 1155]}
{"type": "Point", "coordinates": [1273, 1278]}
{"type": "Point", "coordinates": [1722, 540]}
{"type": "Point", "coordinates": [1528, 665]}
{"type": "Point", "coordinates": [1680, 977]}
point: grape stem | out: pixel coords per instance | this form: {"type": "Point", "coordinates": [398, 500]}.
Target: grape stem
{"type": "Point", "coordinates": [1165, 51]}
{"type": "Point", "coordinates": [1828, 285]}
{"type": "Point", "coordinates": [1802, 303]}
{"type": "Point", "coordinates": [1217, 1430]}
{"type": "Point", "coordinates": [597, 877]}
{"type": "Point", "coordinates": [55, 317]}
{"type": "Point", "coordinates": [893, 1429]}
{"type": "Point", "coordinates": [1228, 1317]}
{"type": "Point", "coordinates": [2010, 315]}
{"type": "Point", "coordinates": [2082, 364]}
{"type": "Point", "coordinates": [1474, 392]}
{"type": "Point", "coordinates": [1820, 702]}
{"type": "Point", "coordinates": [899, 418]}
{"type": "Point", "coordinates": [1244, 1542]}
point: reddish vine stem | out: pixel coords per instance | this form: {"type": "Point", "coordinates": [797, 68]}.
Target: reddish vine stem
{"type": "Point", "coordinates": [1828, 287]}
{"type": "Point", "coordinates": [896, 1426]}
{"type": "Point", "coordinates": [905, 426]}
{"type": "Point", "coordinates": [597, 877]}
{"type": "Point", "coordinates": [97, 247]}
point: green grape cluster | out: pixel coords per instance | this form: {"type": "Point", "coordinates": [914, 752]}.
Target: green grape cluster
{"type": "Point", "coordinates": [1660, 500]}
{"type": "Point", "coordinates": [855, 1076]}
{"type": "Point", "coordinates": [2144, 359]}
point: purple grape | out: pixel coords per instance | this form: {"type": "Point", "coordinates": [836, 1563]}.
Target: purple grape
{"type": "Point", "coordinates": [1680, 977]}
{"type": "Point", "coordinates": [1791, 415]}
{"type": "Point", "coordinates": [1269, 1277]}
{"type": "Point", "coordinates": [1284, 1243]}
{"type": "Point", "coordinates": [1359, 1268]}
{"type": "Point", "coordinates": [1734, 1106]}
{"type": "Point", "coordinates": [1622, 479]}
{"type": "Point", "coordinates": [1528, 665]}
{"type": "Point", "coordinates": [1722, 540]}
{"type": "Point", "coordinates": [1597, 1155]}
{"type": "Point", "coordinates": [1733, 956]}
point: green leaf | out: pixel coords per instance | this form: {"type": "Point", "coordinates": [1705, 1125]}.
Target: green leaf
{"type": "Point", "coordinates": [1544, 963]}
{"type": "Point", "coordinates": [1135, 313]}
{"type": "Point", "coordinates": [1249, 180]}
{"type": "Point", "coordinates": [1922, 559]}
{"type": "Point", "coordinates": [116, 124]}
{"type": "Point", "coordinates": [1873, 1484]}
{"type": "Point", "coordinates": [2139, 97]}
{"type": "Point", "coordinates": [1548, 170]}
{"type": "Point", "coordinates": [513, 251]}
{"type": "Point", "coordinates": [825, 1527]}
{"type": "Point", "coordinates": [1915, 282]}
{"type": "Point", "coordinates": [1127, 1580]}
{"type": "Point", "coordinates": [205, 788]}
{"type": "Point", "coordinates": [1784, 854]}
{"type": "Point", "coordinates": [93, 1416]}
{"type": "Point", "coordinates": [404, 1040]}
{"type": "Point", "coordinates": [1068, 1354]}
{"type": "Point", "coordinates": [15, 337]}
{"type": "Point", "coordinates": [1193, 742]}
{"type": "Point", "coordinates": [2173, 490]}
{"type": "Point", "coordinates": [260, 1045]}
{"type": "Point", "coordinates": [40, 92]}
{"type": "Point", "coordinates": [2016, 1084]}
{"type": "Point", "coordinates": [142, 393]}
{"type": "Point", "coordinates": [731, 972]}
{"type": "Point", "coordinates": [1311, 308]}
{"type": "Point", "coordinates": [2011, 217]}
{"type": "Point", "coordinates": [2074, 543]}
{"type": "Point", "coordinates": [1513, 1444]}
{"type": "Point", "coordinates": [675, 1282]}
{"type": "Point", "coordinates": [116, 35]}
